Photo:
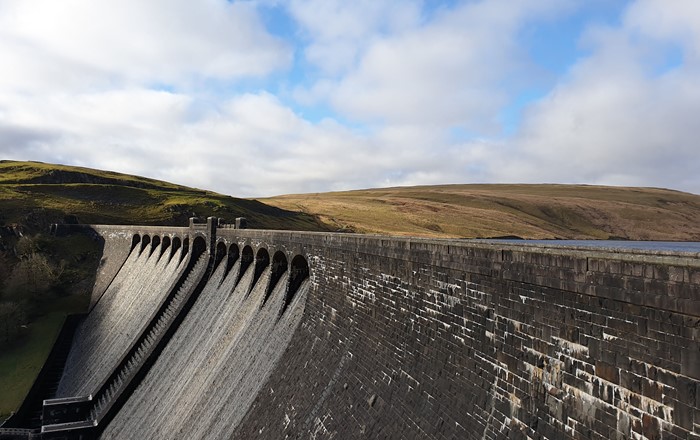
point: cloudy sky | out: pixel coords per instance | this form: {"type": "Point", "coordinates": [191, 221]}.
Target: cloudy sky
{"type": "Point", "coordinates": [264, 97]}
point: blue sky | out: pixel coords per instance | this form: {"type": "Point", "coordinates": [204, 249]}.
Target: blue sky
{"type": "Point", "coordinates": [264, 97]}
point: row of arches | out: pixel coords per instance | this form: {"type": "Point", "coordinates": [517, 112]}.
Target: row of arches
{"type": "Point", "coordinates": [168, 245]}
{"type": "Point", "coordinates": [230, 254]}
{"type": "Point", "coordinates": [298, 268]}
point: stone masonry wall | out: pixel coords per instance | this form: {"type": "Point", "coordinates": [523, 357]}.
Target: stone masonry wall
{"type": "Point", "coordinates": [410, 338]}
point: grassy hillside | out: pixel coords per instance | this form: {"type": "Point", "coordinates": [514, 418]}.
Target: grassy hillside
{"type": "Point", "coordinates": [35, 194]}
{"type": "Point", "coordinates": [526, 211]}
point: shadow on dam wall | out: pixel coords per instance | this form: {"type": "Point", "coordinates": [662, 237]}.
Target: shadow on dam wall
{"type": "Point", "coordinates": [315, 335]}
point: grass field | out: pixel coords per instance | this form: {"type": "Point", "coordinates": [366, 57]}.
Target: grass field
{"type": "Point", "coordinates": [526, 211]}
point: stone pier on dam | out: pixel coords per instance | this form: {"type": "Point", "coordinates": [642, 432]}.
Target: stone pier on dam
{"type": "Point", "coordinates": [213, 332]}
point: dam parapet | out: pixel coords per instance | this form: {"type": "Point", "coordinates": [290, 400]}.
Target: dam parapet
{"type": "Point", "coordinates": [296, 334]}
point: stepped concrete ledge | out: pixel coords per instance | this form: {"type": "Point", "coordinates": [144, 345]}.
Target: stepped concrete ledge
{"type": "Point", "coordinates": [69, 426]}
{"type": "Point", "coordinates": [64, 400]}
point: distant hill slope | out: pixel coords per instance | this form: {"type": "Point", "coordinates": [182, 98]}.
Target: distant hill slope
{"type": "Point", "coordinates": [527, 211]}
{"type": "Point", "coordinates": [34, 194]}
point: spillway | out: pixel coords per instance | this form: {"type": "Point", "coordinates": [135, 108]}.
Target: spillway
{"type": "Point", "coordinates": [120, 314]}
{"type": "Point", "coordinates": [215, 365]}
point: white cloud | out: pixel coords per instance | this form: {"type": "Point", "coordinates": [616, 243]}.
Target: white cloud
{"type": "Point", "coordinates": [677, 21]}
{"type": "Point", "coordinates": [252, 145]}
{"type": "Point", "coordinates": [79, 45]}
{"type": "Point", "coordinates": [623, 115]}
{"type": "Point", "coordinates": [339, 30]}
{"type": "Point", "coordinates": [81, 80]}
{"type": "Point", "coordinates": [77, 83]}
{"type": "Point", "coordinates": [452, 67]}
{"type": "Point", "coordinates": [126, 130]}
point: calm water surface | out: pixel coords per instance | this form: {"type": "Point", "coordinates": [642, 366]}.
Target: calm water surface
{"type": "Point", "coordinates": [670, 246]}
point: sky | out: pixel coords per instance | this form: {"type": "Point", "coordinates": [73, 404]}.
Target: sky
{"type": "Point", "coordinates": [264, 97]}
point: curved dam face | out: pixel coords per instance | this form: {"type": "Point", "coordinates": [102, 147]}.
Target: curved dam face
{"type": "Point", "coordinates": [311, 335]}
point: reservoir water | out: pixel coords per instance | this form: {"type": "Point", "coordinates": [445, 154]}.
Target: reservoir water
{"type": "Point", "coordinates": [666, 246]}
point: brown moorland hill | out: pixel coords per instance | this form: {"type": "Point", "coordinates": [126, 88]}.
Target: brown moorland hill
{"type": "Point", "coordinates": [493, 210]}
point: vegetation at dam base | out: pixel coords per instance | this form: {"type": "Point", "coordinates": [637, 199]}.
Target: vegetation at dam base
{"type": "Point", "coordinates": [42, 279]}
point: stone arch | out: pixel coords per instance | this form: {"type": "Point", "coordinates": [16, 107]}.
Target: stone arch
{"type": "Point", "coordinates": [185, 247]}
{"type": "Point", "coordinates": [298, 273]}
{"type": "Point", "coordinates": [220, 253]}
{"type": "Point", "coordinates": [165, 244]}
{"type": "Point", "coordinates": [279, 267]}
{"type": "Point", "coordinates": [135, 240]}
{"type": "Point", "coordinates": [246, 260]}
{"type": "Point", "coordinates": [262, 260]}
{"type": "Point", "coordinates": [145, 241]}
{"type": "Point", "coordinates": [199, 246]}
{"type": "Point", "coordinates": [177, 244]}
{"type": "Point", "coordinates": [155, 241]}
{"type": "Point", "coordinates": [233, 255]}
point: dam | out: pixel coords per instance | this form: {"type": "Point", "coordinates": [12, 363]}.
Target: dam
{"type": "Point", "coordinates": [216, 332]}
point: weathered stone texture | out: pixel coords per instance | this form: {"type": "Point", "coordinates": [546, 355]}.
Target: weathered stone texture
{"type": "Point", "coordinates": [426, 339]}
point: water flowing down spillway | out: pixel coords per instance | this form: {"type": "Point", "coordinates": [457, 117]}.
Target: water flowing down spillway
{"type": "Point", "coordinates": [119, 317]}
{"type": "Point", "coordinates": [205, 380]}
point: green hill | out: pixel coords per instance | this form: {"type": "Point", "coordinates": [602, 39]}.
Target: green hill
{"type": "Point", "coordinates": [34, 194]}
{"type": "Point", "coordinates": [526, 211]}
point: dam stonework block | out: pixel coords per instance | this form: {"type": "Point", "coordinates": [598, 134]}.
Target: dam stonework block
{"type": "Point", "coordinates": [407, 338]}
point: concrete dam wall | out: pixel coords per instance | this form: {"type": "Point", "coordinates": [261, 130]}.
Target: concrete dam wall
{"type": "Point", "coordinates": [206, 332]}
